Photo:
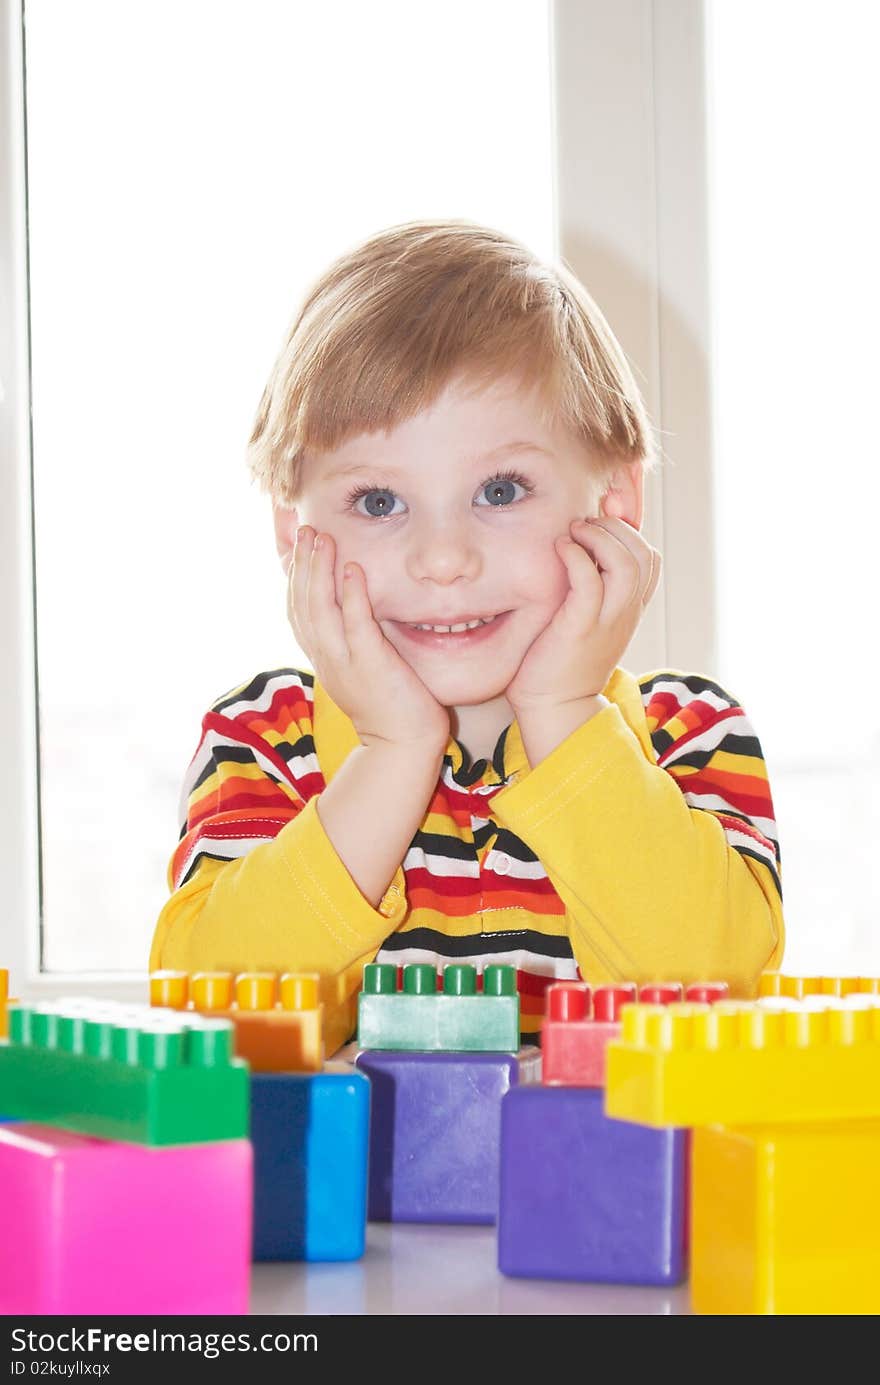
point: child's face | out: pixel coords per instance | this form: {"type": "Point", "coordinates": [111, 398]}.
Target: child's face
{"type": "Point", "coordinates": [442, 537]}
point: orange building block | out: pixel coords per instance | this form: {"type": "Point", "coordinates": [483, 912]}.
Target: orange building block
{"type": "Point", "coordinates": [277, 1019]}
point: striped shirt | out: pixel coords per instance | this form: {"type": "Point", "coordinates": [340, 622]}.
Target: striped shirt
{"type": "Point", "coordinates": [643, 847]}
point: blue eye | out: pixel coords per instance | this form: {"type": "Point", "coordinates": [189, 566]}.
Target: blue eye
{"type": "Point", "coordinates": [501, 488]}
{"type": "Point", "coordinates": [379, 500]}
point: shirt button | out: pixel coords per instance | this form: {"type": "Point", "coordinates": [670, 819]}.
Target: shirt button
{"type": "Point", "coordinates": [502, 863]}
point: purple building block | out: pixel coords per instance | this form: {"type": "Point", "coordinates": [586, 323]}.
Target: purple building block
{"type": "Point", "coordinates": [587, 1197]}
{"type": "Point", "coordinates": [435, 1131]}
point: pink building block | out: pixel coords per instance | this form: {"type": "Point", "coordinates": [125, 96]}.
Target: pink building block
{"type": "Point", "coordinates": [95, 1226]}
{"type": "Point", "coordinates": [580, 1023]}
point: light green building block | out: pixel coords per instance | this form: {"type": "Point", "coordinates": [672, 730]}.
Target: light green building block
{"type": "Point", "coordinates": [420, 1018]}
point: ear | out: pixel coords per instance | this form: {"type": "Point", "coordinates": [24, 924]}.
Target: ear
{"type": "Point", "coordinates": [624, 495]}
{"type": "Point", "coordinates": [285, 519]}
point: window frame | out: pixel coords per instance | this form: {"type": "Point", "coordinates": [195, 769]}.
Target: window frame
{"type": "Point", "coordinates": [631, 217]}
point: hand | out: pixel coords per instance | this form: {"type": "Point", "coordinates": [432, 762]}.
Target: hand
{"type": "Point", "coordinates": [378, 691]}
{"type": "Point", "coordinates": [613, 574]}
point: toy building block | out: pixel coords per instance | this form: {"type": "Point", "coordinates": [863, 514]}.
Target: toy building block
{"type": "Point", "coordinates": [786, 1219]}
{"type": "Point", "coordinates": [738, 1063]}
{"type": "Point", "coordinates": [435, 1132]}
{"type": "Point", "coordinates": [584, 1197]}
{"type": "Point", "coordinates": [419, 1017]}
{"type": "Point", "coordinates": [774, 983]}
{"type": "Point", "coordinates": [785, 1094]}
{"type": "Point", "coordinates": [5, 1001]}
{"type": "Point", "coordinates": [277, 1019]}
{"type": "Point", "coordinates": [98, 1226]}
{"type": "Point", "coordinates": [576, 1031]}
{"type": "Point", "coordinates": [310, 1134]}
{"type": "Point", "coordinates": [580, 1023]}
{"type": "Point", "coordinates": [124, 1072]}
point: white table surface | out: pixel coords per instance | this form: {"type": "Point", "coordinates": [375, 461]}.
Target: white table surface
{"type": "Point", "coordinates": [415, 1269]}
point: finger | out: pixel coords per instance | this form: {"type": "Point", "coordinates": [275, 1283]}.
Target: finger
{"type": "Point", "coordinates": [297, 585]}
{"type": "Point", "coordinates": [359, 623]}
{"type": "Point", "coordinates": [325, 616]}
{"type": "Point", "coordinates": [626, 534]}
{"type": "Point", "coordinates": [587, 586]}
{"type": "Point", "coordinates": [618, 564]}
{"type": "Point", "coordinates": [654, 579]}
{"type": "Point", "coordinates": [649, 559]}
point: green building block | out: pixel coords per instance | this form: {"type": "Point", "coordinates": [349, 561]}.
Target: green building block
{"type": "Point", "coordinates": [421, 1018]}
{"type": "Point", "coordinates": [124, 1072]}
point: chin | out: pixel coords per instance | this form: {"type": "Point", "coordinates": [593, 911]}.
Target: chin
{"type": "Point", "coordinates": [464, 692]}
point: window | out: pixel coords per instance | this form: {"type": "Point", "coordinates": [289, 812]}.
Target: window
{"type": "Point", "coordinates": [796, 291]}
{"type": "Point", "coordinates": [191, 168]}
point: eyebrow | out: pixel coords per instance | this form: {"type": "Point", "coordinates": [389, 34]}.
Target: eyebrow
{"type": "Point", "coordinates": [506, 449]}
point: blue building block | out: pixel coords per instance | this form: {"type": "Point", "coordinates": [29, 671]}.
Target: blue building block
{"type": "Point", "coordinates": [310, 1133]}
{"type": "Point", "coordinates": [587, 1197]}
{"type": "Point", "coordinates": [436, 1129]}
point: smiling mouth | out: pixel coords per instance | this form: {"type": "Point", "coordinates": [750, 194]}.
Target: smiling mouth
{"type": "Point", "coordinates": [463, 632]}
{"type": "Point", "coordinates": [455, 629]}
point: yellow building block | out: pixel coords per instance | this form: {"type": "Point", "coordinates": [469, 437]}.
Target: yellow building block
{"type": "Point", "coordinates": [746, 1062]}
{"type": "Point", "coordinates": [773, 983]}
{"type": "Point", "coordinates": [277, 1019]}
{"type": "Point", "coordinates": [5, 999]}
{"type": "Point", "coordinates": [786, 1219]}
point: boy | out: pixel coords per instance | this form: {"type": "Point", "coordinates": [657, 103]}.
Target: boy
{"type": "Point", "coordinates": [452, 437]}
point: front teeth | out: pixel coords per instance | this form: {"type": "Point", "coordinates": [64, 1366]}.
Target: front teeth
{"type": "Point", "coordinates": [455, 629]}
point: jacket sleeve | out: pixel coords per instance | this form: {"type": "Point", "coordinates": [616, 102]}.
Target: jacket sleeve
{"type": "Point", "coordinates": [669, 867]}
{"type": "Point", "coordinates": [255, 882]}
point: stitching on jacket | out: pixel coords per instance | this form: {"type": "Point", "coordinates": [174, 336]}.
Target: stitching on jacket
{"type": "Point", "coordinates": [203, 838]}
{"type": "Point", "coordinates": [325, 921]}
{"type": "Point", "coordinates": [323, 894]}
{"type": "Point", "coordinates": [237, 836]}
{"type": "Point", "coordinates": [529, 820]}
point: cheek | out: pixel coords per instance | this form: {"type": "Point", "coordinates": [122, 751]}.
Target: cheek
{"type": "Point", "coordinates": [540, 577]}
{"type": "Point", "coordinates": [383, 586]}
{"type": "Point", "coordinates": [350, 551]}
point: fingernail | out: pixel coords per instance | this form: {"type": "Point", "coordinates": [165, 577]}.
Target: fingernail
{"type": "Point", "coordinates": [319, 541]}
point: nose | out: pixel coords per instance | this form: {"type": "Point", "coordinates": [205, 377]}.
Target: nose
{"type": "Point", "coordinates": [445, 553]}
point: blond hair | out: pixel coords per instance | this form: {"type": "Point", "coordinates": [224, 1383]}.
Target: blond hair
{"type": "Point", "coordinates": [391, 323]}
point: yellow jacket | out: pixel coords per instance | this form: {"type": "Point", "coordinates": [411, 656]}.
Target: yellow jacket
{"type": "Point", "coordinates": [642, 848]}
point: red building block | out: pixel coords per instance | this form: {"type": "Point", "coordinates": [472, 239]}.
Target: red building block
{"type": "Point", "coordinates": [579, 1024]}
